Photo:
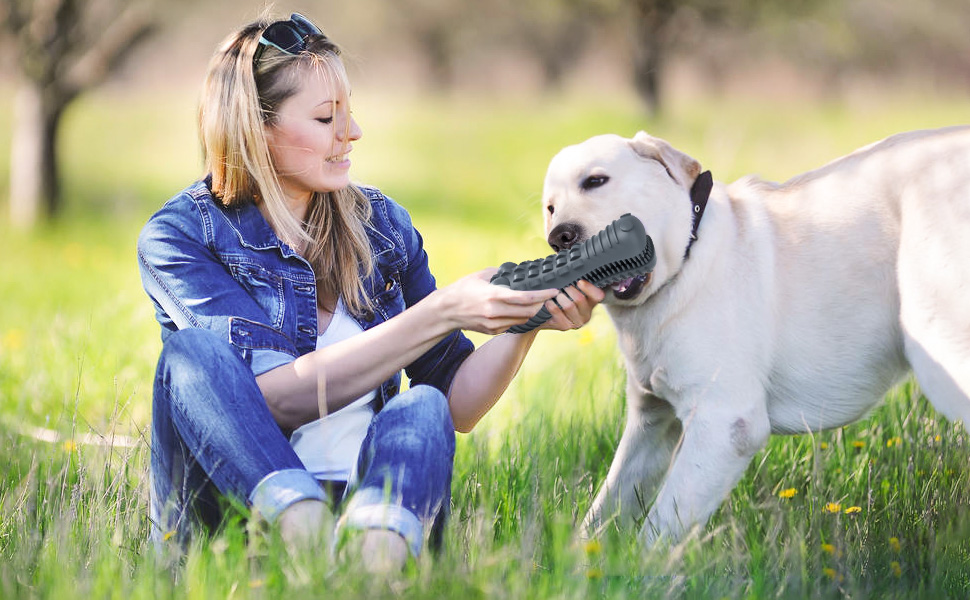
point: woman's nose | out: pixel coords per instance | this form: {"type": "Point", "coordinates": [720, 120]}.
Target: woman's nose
{"type": "Point", "coordinates": [351, 133]}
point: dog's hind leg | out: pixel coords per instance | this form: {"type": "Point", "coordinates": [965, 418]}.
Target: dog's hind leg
{"type": "Point", "coordinates": [934, 284]}
{"type": "Point", "coordinates": [719, 440]}
{"type": "Point", "coordinates": [642, 458]}
{"type": "Point", "coordinates": [941, 362]}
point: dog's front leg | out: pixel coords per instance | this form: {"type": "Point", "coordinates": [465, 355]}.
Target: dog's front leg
{"type": "Point", "coordinates": [720, 437]}
{"type": "Point", "coordinates": [641, 459]}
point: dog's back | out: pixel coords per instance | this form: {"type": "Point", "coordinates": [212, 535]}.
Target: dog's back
{"type": "Point", "coordinates": [853, 241]}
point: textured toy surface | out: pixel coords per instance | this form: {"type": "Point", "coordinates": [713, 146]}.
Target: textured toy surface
{"type": "Point", "coordinates": [620, 251]}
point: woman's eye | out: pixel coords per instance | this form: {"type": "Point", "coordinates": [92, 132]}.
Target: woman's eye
{"type": "Point", "coordinates": [326, 121]}
{"type": "Point", "coordinates": [594, 181]}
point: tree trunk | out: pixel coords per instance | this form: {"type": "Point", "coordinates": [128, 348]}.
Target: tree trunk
{"type": "Point", "coordinates": [647, 69]}
{"type": "Point", "coordinates": [34, 185]}
{"type": "Point", "coordinates": [651, 24]}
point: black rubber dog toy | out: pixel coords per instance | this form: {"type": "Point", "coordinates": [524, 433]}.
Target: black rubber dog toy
{"type": "Point", "coordinates": [620, 251]}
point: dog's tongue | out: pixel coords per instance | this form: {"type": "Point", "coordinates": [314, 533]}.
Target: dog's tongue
{"type": "Point", "coordinates": [622, 286]}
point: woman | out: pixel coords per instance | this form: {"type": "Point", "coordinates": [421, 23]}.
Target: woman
{"type": "Point", "coordinates": [289, 301]}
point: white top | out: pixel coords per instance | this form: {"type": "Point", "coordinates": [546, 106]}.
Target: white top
{"type": "Point", "coordinates": [329, 447]}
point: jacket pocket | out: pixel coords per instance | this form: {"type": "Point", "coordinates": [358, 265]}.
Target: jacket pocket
{"type": "Point", "coordinates": [265, 287]}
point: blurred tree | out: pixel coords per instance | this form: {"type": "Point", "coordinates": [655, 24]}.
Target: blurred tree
{"type": "Point", "coordinates": [436, 27]}
{"type": "Point", "coordinates": [556, 32]}
{"type": "Point", "coordinates": [659, 26]}
{"type": "Point", "coordinates": [63, 47]}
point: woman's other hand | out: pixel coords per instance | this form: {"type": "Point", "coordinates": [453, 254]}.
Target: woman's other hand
{"type": "Point", "coordinates": [573, 307]}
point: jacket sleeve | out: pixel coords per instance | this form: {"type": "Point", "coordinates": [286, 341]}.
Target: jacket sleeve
{"type": "Point", "coordinates": [191, 287]}
{"type": "Point", "coordinates": [437, 367]}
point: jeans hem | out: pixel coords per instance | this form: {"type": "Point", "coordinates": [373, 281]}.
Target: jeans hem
{"type": "Point", "coordinates": [368, 509]}
{"type": "Point", "coordinates": [280, 489]}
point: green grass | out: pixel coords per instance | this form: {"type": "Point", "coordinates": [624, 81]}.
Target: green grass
{"type": "Point", "coordinates": [78, 345]}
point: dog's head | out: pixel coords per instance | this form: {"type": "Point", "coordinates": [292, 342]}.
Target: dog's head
{"type": "Point", "coordinates": [593, 183]}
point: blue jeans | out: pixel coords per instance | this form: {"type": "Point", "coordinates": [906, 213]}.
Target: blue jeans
{"type": "Point", "coordinates": [213, 434]}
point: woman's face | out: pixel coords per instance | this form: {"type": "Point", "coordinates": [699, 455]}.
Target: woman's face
{"type": "Point", "coordinates": [310, 142]}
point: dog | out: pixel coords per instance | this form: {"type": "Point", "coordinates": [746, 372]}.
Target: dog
{"type": "Point", "coordinates": [773, 308]}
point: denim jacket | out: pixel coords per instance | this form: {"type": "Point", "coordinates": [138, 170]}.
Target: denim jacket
{"type": "Point", "coordinates": [224, 269]}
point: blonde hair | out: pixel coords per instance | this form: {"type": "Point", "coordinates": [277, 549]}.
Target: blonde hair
{"type": "Point", "coordinates": [238, 102]}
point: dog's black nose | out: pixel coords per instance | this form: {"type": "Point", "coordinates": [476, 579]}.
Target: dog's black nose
{"type": "Point", "coordinates": [564, 235]}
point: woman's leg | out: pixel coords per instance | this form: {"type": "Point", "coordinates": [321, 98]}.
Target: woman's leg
{"type": "Point", "coordinates": [212, 430]}
{"type": "Point", "coordinates": [404, 469]}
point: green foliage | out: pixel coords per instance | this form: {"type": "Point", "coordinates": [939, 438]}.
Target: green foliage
{"type": "Point", "coordinates": [78, 344]}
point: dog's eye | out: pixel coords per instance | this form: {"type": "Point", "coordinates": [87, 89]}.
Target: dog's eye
{"type": "Point", "coordinates": [551, 209]}
{"type": "Point", "coordinates": [594, 181]}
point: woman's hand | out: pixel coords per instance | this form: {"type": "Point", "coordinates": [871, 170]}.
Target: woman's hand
{"type": "Point", "coordinates": [473, 304]}
{"type": "Point", "coordinates": [575, 306]}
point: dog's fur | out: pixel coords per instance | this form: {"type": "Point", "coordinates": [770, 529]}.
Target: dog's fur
{"type": "Point", "coordinates": [799, 306]}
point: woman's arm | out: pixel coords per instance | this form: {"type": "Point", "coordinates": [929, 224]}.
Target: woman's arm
{"type": "Point", "coordinates": [485, 375]}
{"type": "Point", "coordinates": [357, 365]}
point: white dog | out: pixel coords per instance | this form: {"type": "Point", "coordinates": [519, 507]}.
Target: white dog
{"type": "Point", "coordinates": [782, 308]}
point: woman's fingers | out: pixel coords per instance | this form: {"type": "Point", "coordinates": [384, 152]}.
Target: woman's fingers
{"type": "Point", "coordinates": [501, 307]}
{"type": "Point", "coordinates": [573, 308]}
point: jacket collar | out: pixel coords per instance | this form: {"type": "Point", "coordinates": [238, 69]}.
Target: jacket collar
{"type": "Point", "coordinates": [255, 232]}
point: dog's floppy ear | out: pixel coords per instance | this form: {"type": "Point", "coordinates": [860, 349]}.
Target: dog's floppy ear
{"type": "Point", "coordinates": [681, 167]}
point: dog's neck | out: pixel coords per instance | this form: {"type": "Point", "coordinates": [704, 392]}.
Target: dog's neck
{"type": "Point", "coordinates": [700, 192]}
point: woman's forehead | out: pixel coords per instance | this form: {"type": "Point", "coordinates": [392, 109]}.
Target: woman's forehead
{"type": "Point", "coordinates": [321, 82]}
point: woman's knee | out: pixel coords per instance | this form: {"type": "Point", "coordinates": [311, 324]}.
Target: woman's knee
{"type": "Point", "coordinates": [194, 347]}
{"type": "Point", "coordinates": [425, 408]}
{"type": "Point", "coordinates": [192, 356]}
{"type": "Point", "coordinates": [429, 401]}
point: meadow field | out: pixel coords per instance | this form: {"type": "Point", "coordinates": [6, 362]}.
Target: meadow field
{"type": "Point", "coordinates": [878, 509]}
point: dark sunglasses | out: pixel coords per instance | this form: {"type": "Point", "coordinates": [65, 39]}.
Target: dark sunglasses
{"type": "Point", "coordinates": [288, 36]}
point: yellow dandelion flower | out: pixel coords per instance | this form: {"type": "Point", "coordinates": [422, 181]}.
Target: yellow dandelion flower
{"type": "Point", "coordinates": [69, 446]}
{"type": "Point", "coordinates": [824, 445]}
{"type": "Point", "coordinates": [896, 569]}
{"type": "Point", "coordinates": [832, 574]}
{"type": "Point", "coordinates": [13, 339]}
{"type": "Point", "coordinates": [833, 507]}
{"type": "Point", "coordinates": [594, 573]}
{"type": "Point", "coordinates": [788, 493]}
{"type": "Point", "coordinates": [853, 510]}
{"type": "Point", "coordinates": [858, 444]}
{"type": "Point", "coordinates": [894, 441]}
{"type": "Point", "coordinates": [894, 544]}
{"type": "Point", "coordinates": [937, 438]}
{"type": "Point", "coordinates": [828, 548]}
{"type": "Point", "coordinates": [593, 547]}
{"type": "Point", "coordinates": [168, 535]}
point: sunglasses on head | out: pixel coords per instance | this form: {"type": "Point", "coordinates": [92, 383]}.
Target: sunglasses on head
{"type": "Point", "coordinates": [289, 37]}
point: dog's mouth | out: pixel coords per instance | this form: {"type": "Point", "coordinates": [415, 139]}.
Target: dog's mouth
{"type": "Point", "coordinates": [628, 289]}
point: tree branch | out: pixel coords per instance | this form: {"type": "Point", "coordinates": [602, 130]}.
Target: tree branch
{"type": "Point", "coordinates": [107, 51]}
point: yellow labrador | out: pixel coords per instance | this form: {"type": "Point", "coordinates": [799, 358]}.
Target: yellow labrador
{"type": "Point", "coordinates": [781, 308]}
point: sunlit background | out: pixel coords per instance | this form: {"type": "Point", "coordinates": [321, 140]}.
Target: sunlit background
{"type": "Point", "coordinates": [462, 105]}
